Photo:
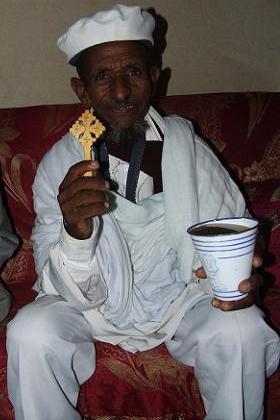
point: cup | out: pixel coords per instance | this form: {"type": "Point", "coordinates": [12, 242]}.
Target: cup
{"type": "Point", "coordinates": [226, 248]}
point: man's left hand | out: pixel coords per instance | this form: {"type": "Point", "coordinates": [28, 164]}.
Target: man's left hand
{"type": "Point", "coordinates": [251, 286]}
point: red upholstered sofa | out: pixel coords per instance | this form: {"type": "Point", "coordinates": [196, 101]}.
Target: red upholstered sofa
{"type": "Point", "coordinates": [245, 130]}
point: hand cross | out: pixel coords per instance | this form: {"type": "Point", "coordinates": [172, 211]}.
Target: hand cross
{"type": "Point", "coordinates": [87, 129]}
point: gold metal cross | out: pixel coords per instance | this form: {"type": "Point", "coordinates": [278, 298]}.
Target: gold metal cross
{"type": "Point", "coordinates": [87, 129]}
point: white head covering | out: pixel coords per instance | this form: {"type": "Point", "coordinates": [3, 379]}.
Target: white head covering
{"type": "Point", "coordinates": [119, 23]}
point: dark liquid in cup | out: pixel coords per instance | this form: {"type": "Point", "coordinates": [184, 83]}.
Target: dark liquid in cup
{"type": "Point", "coordinates": [218, 230]}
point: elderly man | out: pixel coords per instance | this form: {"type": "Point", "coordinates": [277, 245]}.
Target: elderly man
{"type": "Point", "coordinates": [113, 259]}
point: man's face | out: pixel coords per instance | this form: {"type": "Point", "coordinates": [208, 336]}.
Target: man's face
{"type": "Point", "coordinates": [117, 82]}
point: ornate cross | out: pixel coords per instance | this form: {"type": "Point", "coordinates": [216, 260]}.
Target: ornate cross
{"type": "Point", "coordinates": [87, 129]}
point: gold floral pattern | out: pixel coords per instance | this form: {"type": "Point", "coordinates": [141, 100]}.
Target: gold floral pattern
{"type": "Point", "coordinates": [211, 107]}
{"type": "Point", "coordinates": [17, 267]}
{"type": "Point", "coordinates": [151, 371]}
{"type": "Point", "coordinates": [267, 168]}
{"type": "Point", "coordinates": [276, 194]}
{"type": "Point", "coordinates": [11, 165]}
{"type": "Point", "coordinates": [13, 179]}
{"type": "Point", "coordinates": [258, 104]}
{"type": "Point", "coordinates": [273, 218]}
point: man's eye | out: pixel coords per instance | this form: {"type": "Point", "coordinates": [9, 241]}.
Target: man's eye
{"type": "Point", "coordinates": [101, 76]}
{"type": "Point", "coordinates": [134, 71]}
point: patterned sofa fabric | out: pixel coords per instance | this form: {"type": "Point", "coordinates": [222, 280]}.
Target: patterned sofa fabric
{"type": "Point", "coordinates": [148, 385]}
{"type": "Point", "coordinates": [244, 128]}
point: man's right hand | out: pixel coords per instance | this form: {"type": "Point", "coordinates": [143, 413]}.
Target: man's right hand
{"type": "Point", "coordinates": [81, 198]}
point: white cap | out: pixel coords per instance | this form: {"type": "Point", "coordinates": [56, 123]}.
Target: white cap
{"type": "Point", "coordinates": [119, 23]}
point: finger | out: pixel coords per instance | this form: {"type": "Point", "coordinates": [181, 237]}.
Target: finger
{"type": "Point", "coordinates": [257, 261]}
{"type": "Point", "coordinates": [234, 305]}
{"type": "Point", "coordinates": [92, 210]}
{"type": "Point", "coordinates": [254, 282]}
{"type": "Point", "coordinates": [76, 219]}
{"type": "Point", "coordinates": [84, 198]}
{"type": "Point", "coordinates": [78, 170]}
{"type": "Point", "coordinates": [245, 286]}
{"type": "Point", "coordinates": [86, 185]}
{"type": "Point", "coordinates": [200, 273]}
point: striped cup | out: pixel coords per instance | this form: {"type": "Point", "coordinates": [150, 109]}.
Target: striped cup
{"type": "Point", "coordinates": [226, 248]}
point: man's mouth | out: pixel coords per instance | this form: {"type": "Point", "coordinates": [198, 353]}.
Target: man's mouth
{"type": "Point", "coordinates": [124, 107]}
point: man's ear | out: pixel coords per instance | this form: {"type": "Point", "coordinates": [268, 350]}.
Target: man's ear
{"type": "Point", "coordinates": [154, 75]}
{"type": "Point", "coordinates": [79, 88]}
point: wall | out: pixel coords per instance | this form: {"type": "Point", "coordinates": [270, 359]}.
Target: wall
{"type": "Point", "coordinates": [212, 45]}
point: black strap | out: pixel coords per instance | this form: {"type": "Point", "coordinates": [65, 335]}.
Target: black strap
{"type": "Point", "coordinates": [102, 156]}
{"type": "Point", "coordinates": [134, 167]}
{"type": "Point", "coordinates": [151, 163]}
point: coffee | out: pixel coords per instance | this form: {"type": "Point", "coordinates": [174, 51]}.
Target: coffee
{"type": "Point", "coordinates": [211, 230]}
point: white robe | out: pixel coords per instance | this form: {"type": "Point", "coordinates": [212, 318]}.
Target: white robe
{"type": "Point", "coordinates": [133, 279]}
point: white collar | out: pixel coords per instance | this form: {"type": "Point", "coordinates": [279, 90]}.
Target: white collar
{"type": "Point", "coordinates": [156, 125]}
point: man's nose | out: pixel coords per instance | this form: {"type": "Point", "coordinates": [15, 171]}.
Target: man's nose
{"type": "Point", "coordinates": [121, 88]}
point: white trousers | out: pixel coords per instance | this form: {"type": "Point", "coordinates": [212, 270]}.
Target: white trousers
{"type": "Point", "coordinates": [232, 353]}
{"type": "Point", "coordinates": [51, 352]}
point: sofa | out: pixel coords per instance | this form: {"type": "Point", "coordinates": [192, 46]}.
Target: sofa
{"type": "Point", "coordinates": [244, 130]}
